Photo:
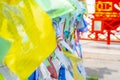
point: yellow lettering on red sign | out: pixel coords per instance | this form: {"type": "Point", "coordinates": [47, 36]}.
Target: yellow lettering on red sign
{"type": "Point", "coordinates": [104, 6]}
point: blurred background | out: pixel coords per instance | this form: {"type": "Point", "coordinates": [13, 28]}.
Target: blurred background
{"type": "Point", "coordinates": [101, 47]}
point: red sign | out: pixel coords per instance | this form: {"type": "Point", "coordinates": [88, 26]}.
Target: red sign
{"type": "Point", "coordinates": [107, 8]}
{"type": "Point", "coordinates": [108, 5]}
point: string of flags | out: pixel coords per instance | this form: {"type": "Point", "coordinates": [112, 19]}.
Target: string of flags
{"type": "Point", "coordinates": [40, 39]}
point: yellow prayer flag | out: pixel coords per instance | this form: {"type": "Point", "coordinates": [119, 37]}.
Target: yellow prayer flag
{"type": "Point", "coordinates": [32, 34]}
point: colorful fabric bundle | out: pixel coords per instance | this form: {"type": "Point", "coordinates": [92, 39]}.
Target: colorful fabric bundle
{"type": "Point", "coordinates": [68, 28]}
{"type": "Point", "coordinates": [26, 30]}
